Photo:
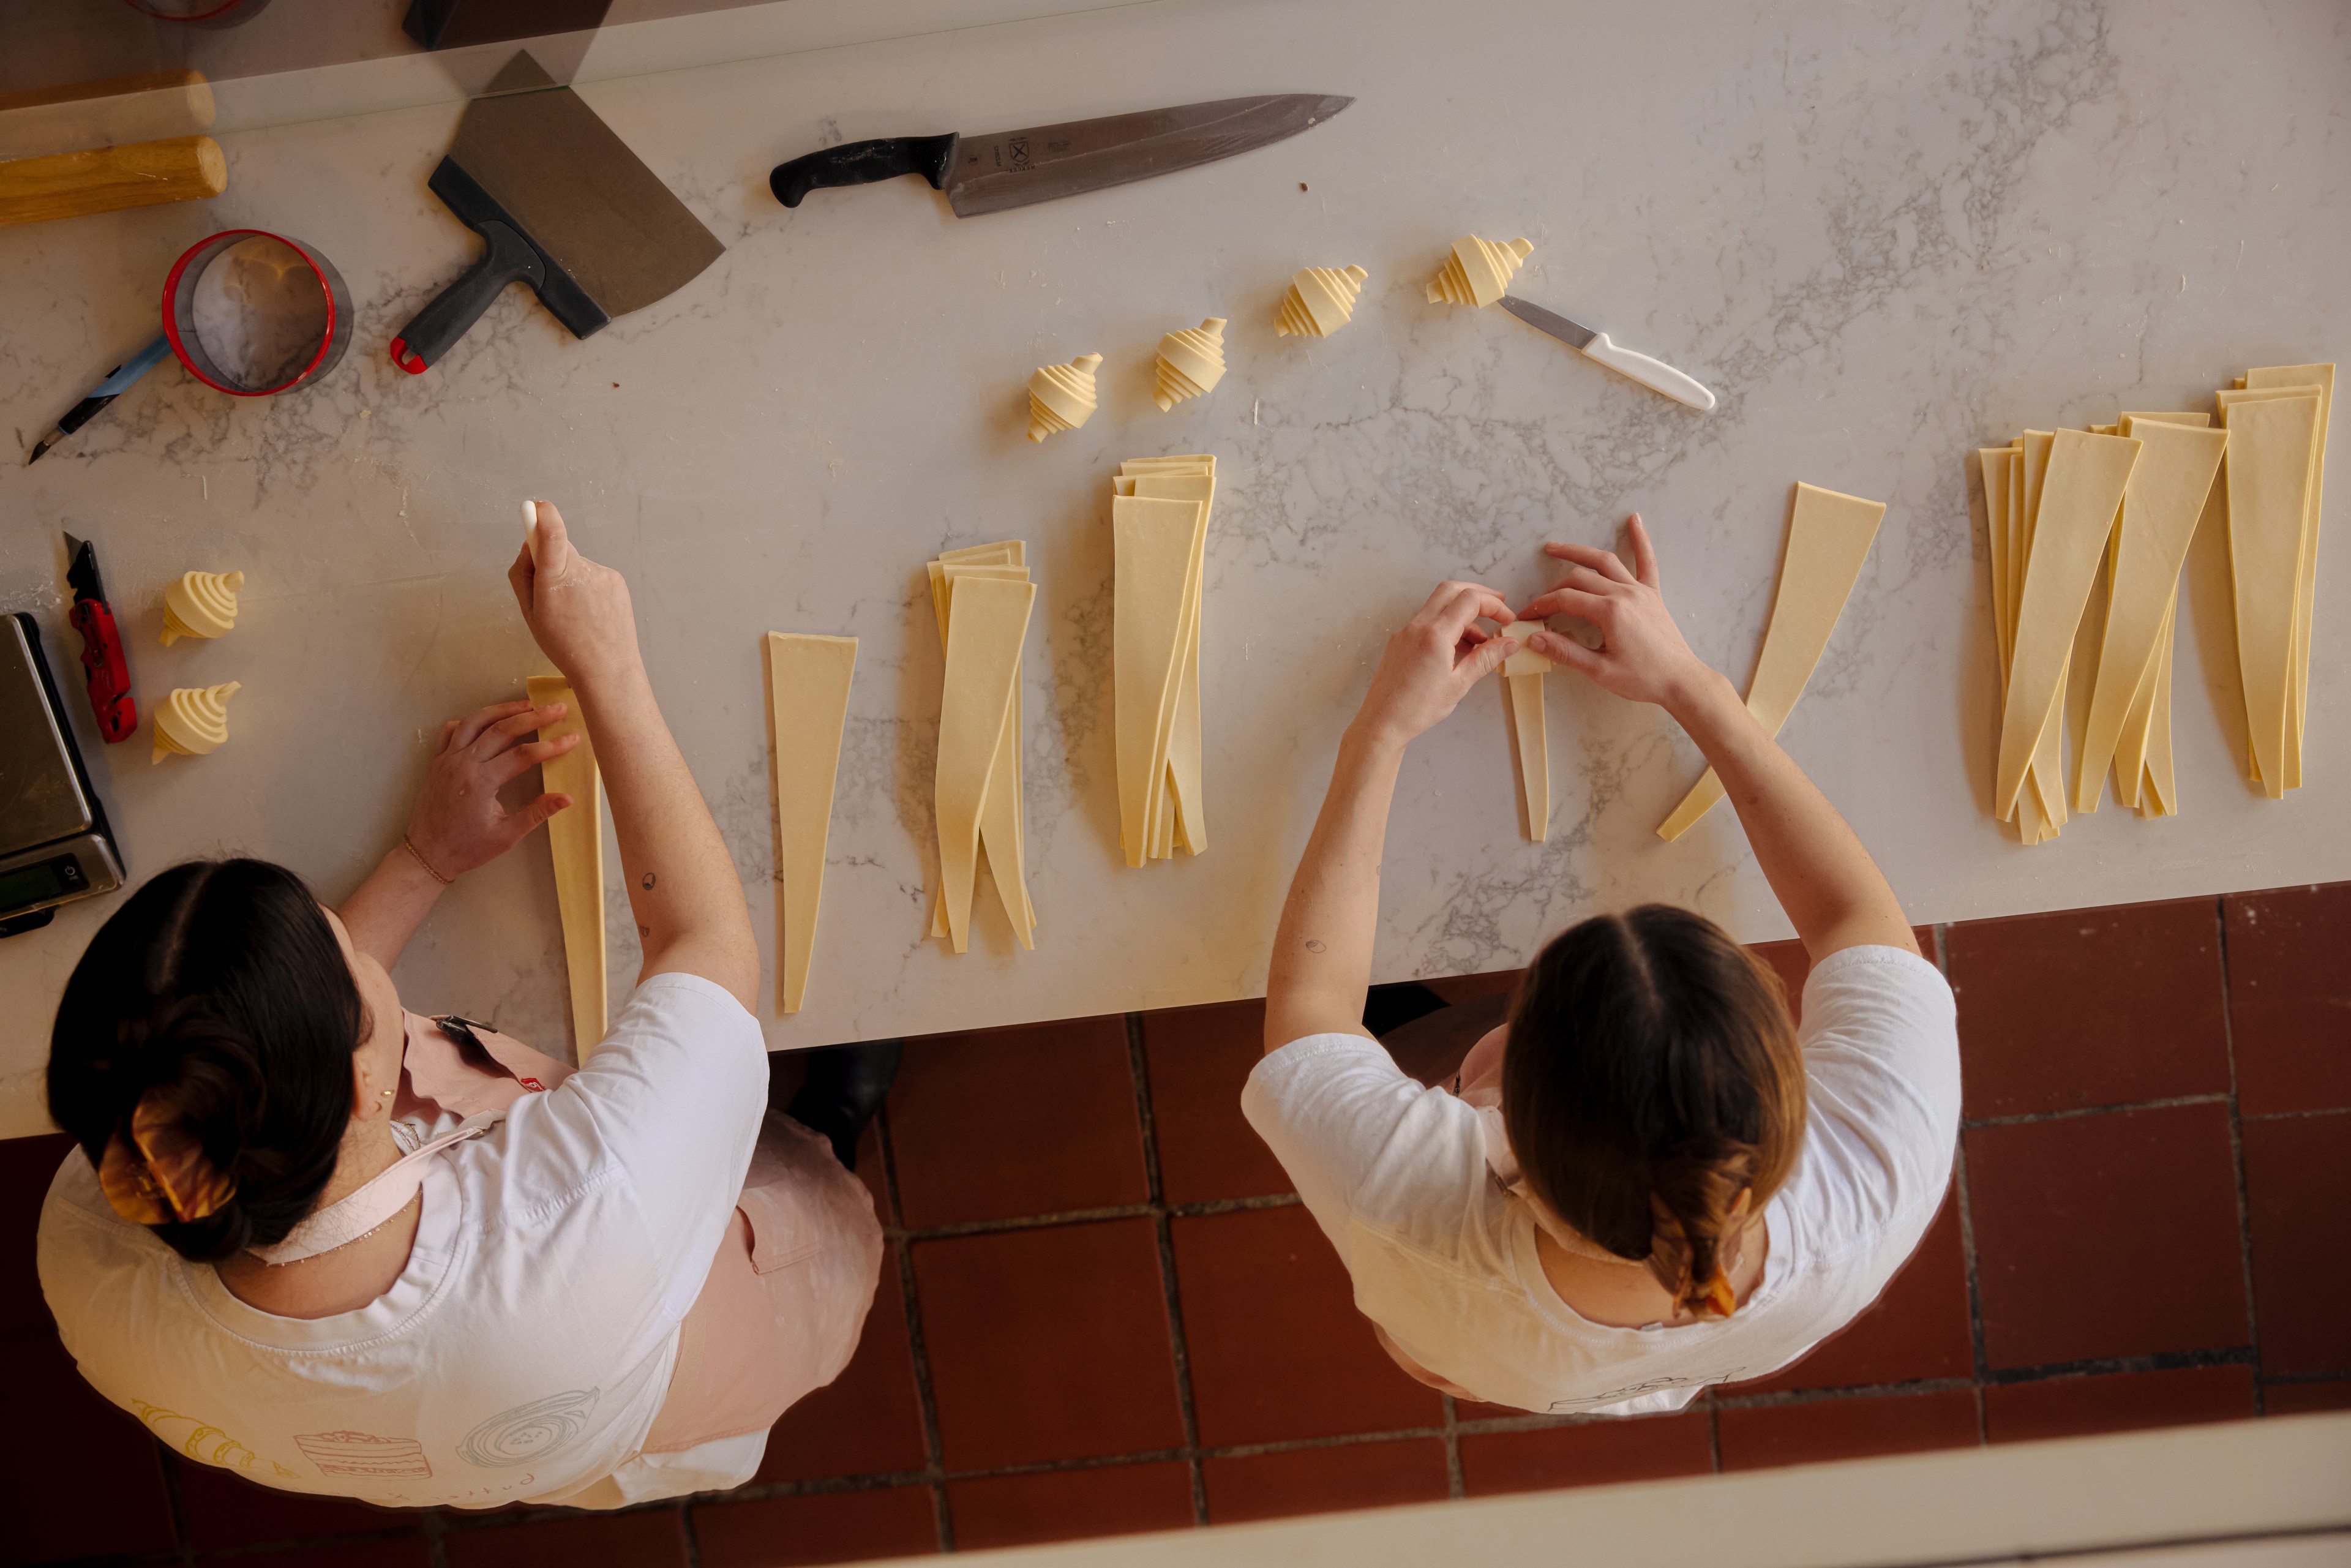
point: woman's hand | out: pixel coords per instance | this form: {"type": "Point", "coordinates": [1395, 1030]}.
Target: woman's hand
{"type": "Point", "coordinates": [577, 610]}
{"type": "Point", "coordinates": [1642, 655]}
{"type": "Point", "coordinates": [458, 821]}
{"type": "Point", "coordinates": [1432, 662]}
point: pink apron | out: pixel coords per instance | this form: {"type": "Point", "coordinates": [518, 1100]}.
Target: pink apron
{"type": "Point", "coordinates": [781, 1310]}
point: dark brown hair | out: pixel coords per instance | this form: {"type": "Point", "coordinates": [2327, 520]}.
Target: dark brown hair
{"type": "Point", "coordinates": [220, 984]}
{"type": "Point", "coordinates": [1653, 1075]}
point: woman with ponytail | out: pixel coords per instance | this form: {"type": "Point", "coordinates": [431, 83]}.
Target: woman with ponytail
{"type": "Point", "coordinates": [339, 1248]}
{"type": "Point", "coordinates": [1647, 1179]}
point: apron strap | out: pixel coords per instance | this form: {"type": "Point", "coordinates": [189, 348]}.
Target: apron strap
{"type": "Point", "coordinates": [353, 1216]}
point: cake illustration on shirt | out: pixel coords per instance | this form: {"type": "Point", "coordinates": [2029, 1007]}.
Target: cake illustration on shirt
{"type": "Point", "coordinates": [361, 1454]}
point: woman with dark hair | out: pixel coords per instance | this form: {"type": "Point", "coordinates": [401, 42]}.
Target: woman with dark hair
{"type": "Point", "coordinates": [338, 1247]}
{"type": "Point", "coordinates": [1647, 1179]}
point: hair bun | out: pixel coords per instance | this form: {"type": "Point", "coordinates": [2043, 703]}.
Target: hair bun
{"type": "Point", "coordinates": [190, 1065]}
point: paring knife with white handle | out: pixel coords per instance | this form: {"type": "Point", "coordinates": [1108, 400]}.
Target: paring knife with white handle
{"type": "Point", "coordinates": [1654, 374]}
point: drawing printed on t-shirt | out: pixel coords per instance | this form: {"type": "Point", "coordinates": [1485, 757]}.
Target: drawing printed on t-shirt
{"type": "Point", "coordinates": [527, 1432]}
{"type": "Point", "coordinates": [362, 1454]}
{"type": "Point", "coordinates": [1618, 1395]}
{"type": "Point", "coordinates": [203, 1442]}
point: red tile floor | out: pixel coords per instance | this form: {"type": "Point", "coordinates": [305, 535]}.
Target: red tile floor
{"type": "Point", "coordinates": [1104, 1310]}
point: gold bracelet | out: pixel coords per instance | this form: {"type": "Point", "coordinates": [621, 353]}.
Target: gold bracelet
{"type": "Point", "coordinates": [409, 845]}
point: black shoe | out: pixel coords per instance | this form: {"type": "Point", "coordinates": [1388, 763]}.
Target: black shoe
{"type": "Point", "coordinates": [1390, 1007]}
{"type": "Point", "coordinates": [845, 1086]}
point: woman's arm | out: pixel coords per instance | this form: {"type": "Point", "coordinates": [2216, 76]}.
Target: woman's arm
{"type": "Point", "coordinates": [456, 824]}
{"type": "Point", "coordinates": [1831, 889]}
{"type": "Point", "coordinates": [1323, 950]}
{"type": "Point", "coordinates": [682, 889]}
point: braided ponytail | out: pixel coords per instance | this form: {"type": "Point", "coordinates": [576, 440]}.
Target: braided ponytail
{"type": "Point", "coordinates": [202, 1055]}
{"type": "Point", "coordinates": [1654, 1093]}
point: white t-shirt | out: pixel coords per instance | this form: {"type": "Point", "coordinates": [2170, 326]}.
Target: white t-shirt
{"type": "Point", "coordinates": [525, 1348]}
{"type": "Point", "coordinates": [1443, 1256]}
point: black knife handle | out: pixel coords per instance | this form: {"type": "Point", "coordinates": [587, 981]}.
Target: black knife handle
{"type": "Point", "coordinates": [863, 163]}
{"type": "Point", "coordinates": [434, 330]}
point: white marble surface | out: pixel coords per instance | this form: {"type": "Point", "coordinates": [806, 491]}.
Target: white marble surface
{"type": "Point", "coordinates": [1885, 232]}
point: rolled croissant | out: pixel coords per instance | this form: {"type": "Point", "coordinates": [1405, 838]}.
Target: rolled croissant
{"type": "Point", "coordinates": [1062, 397]}
{"type": "Point", "coordinates": [1190, 362]}
{"type": "Point", "coordinates": [201, 604]}
{"type": "Point", "coordinates": [1478, 271]}
{"type": "Point", "coordinates": [193, 721]}
{"type": "Point", "coordinates": [1320, 300]}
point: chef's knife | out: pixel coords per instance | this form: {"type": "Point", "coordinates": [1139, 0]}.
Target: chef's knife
{"type": "Point", "coordinates": [563, 205]}
{"type": "Point", "coordinates": [1654, 374]}
{"type": "Point", "coordinates": [1013, 168]}
{"type": "Point", "coordinates": [107, 671]}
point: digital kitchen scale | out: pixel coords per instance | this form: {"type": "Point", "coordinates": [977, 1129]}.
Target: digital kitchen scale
{"type": "Point", "coordinates": [54, 845]}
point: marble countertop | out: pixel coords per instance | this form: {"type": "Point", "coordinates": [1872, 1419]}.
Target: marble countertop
{"type": "Point", "coordinates": [1884, 232]}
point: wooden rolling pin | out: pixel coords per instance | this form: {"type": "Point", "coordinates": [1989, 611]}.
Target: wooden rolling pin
{"type": "Point", "coordinates": [109, 178]}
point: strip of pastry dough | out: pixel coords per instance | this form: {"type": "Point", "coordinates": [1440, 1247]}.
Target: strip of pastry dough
{"type": "Point", "coordinates": [2135, 760]}
{"type": "Point", "coordinates": [1184, 746]}
{"type": "Point", "coordinates": [575, 842]}
{"type": "Point", "coordinates": [1522, 687]}
{"type": "Point", "coordinates": [2272, 440]}
{"type": "Point", "coordinates": [1152, 540]}
{"type": "Point", "coordinates": [987, 621]}
{"type": "Point", "coordinates": [2162, 500]}
{"type": "Point", "coordinates": [1993, 462]}
{"type": "Point", "coordinates": [2080, 502]}
{"type": "Point", "coordinates": [1002, 831]}
{"type": "Point", "coordinates": [1829, 536]}
{"type": "Point", "coordinates": [808, 698]}
{"type": "Point", "coordinates": [2280, 377]}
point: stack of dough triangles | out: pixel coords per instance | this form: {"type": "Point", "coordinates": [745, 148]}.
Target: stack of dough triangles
{"type": "Point", "coordinates": [982, 597]}
{"type": "Point", "coordinates": [2276, 418]}
{"type": "Point", "coordinates": [1159, 527]}
{"type": "Point", "coordinates": [2132, 494]}
{"type": "Point", "coordinates": [2065, 497]}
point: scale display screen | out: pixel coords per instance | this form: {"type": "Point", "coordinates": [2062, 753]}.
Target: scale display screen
{"type": "Point", "coordinates": [32, 884]}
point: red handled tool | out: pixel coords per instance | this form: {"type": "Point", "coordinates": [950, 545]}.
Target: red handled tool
{"type": "Point", "coordinates": [108, 672]}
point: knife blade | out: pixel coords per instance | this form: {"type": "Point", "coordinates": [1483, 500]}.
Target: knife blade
{"type": "Point", "coordinates": [105, 669]}
{"type": "Point", "coordinates": [1654, 374]}
{"type": "Point", "coordinates": [1006, 169]}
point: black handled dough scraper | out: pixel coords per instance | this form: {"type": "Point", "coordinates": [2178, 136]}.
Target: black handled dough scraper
{"type": "Point", "coordinates": [560, 204]}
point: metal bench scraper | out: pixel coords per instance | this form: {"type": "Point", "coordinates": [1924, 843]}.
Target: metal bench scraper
{"type": "Point", "coordinates": [560, 204]}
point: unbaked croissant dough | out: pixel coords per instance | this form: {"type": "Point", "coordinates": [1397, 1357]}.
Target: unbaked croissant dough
{"type": "Point", "coordinates": [1320, 300]}
{"type": "Point", "coordinates": [1478, 271]}
{"type": "Point", "coordinates": [1062, 397]}
{"type": "Point", "coordinates": [1190, 362]}
{"type": "Point", "coordinates": [201, 604]}
{"type": "Point", "coordinates": [193, 721]}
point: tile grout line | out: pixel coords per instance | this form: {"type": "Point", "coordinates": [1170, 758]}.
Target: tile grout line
{"type": "Point", "coordinates": [176, 1502]}
{"type": "Point", "coordinates": [2025, 1118]}
{"type": "Point", "coordinates": [1179, 1351]}
{"type": "Point", "coordinates": [2237, 1151]}
{"type": "Point", "coordinates": [1981, 1369]}
{"type": "Point", "coordinates": [1453, 1483]}
{"type": "Point", "coordinates": [436, 1529]}
{"type": "Point", "coordinates": [934, 1471]}
{"type": "Point", "coordinates": [1089, 1217]}
{"type": "Point", "coordinates": [1975, 1287]}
